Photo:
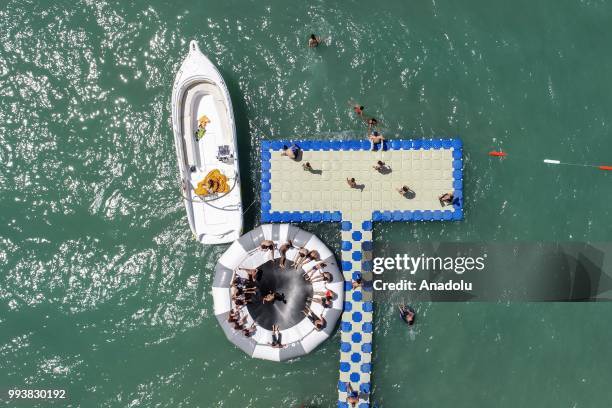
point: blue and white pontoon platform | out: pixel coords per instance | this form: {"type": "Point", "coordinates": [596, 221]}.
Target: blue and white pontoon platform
{"type": "Point", "coordinates": [289, 193]}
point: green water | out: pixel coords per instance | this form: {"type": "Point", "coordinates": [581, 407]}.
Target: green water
{"type": "Point", "coordinates": [103, 291]}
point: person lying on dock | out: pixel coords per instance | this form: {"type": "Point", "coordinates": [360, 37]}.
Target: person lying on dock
{"type": "Point", "coordinates": [319, 322]}
{"type": "Point", "coordinates": [446, 199]}
{"type": "Point", "coordinates": [301, 255]}
{"type": "Point", "coordinates": [314, 41]}
{"type": "Point", "coordinates": [404, 191]}
{"type": "Point", "coordinates": [252, 273]}
{"type": "Point", "coordinates": [249, 331]}
{"type": "Point", "coordinates": [357, 281]}
{"type": "Point", "coordinates": [276, 337]}
{"type": "Point", "coordinates": [352, 396]}
{"type": "Point", "coordinates": [291, 152]}
{"type": "Point", "coordinates": [351, 182]}
{"type": "Point", "coordinates": [307, 167]}
{"type": "Point", "coordinates": [322, 277]}
{"type": "Point", "coordinates": [375, 139]}
{"type": "Point", "coordinates": [283, 253]}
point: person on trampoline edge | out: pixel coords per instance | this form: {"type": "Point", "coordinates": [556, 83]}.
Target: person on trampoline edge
{"type": "Point", "coordinates": [322, 300]}
{"type": "Point", "coordinates": [311, 256]}
{"type": "Point", "coordinates": [323, 276]}
{"type": "Point", "coordinates": [283, 253]}
{"type": "Point", "coordinates": [318, 267]}
{"type": "Point", "coordinates": [252, 273]}
{"type": "Point", "coordinates": [249, 331]}
{"type": "Point", "coordinates": [301, 255]}
{"type": "Point", "coordinates": [267, 245]}
{"type": "Point", "coordinates": [276, 337]}
{"type": "Point", "coordinates": [319, 322]}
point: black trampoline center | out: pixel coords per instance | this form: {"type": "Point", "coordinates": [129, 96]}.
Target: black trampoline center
{"type": "Point", "coordinates": [292, 290]}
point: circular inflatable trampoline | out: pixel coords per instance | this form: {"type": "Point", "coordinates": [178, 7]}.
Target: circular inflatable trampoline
{"type": "Point", "coordinates": [263, 301]}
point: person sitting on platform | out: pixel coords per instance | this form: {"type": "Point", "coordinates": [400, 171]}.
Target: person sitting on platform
{"type": "Point", "coordinates": [283, 253]}
{"type": "Point", "coordinates": [249, 331]}
{"type": "Point", "coordinates": [319, 322]}
{"type": "Point", "coordinates": [307, 167]}
{"type": "Point", "coordinates": [375, 140]}
{"type": "Point", "coordinates": [239, 325]}
{"type": "Point", "coordinates": [292, 152]}
{"type": "Point", "coordinates": [234, 316]}
{"type": "Point", "coordinates": [351, 182]}
{"type": "Point", "coordinates": [352, 396]}
{"type": "Point", "coordinates": [446, 199]}
{"type": "Point", "coordinates": [276, 337]}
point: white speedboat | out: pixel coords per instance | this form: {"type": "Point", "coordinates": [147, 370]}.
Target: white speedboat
{"type": "Point", "coordinates": [206, 149]}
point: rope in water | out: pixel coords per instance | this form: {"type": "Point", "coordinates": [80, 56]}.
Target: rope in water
{"type": "Point", "coordinates": [502, 154]}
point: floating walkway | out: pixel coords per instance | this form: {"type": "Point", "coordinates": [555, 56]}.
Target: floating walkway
{"type": "Point", "coordinates": [290, 193]}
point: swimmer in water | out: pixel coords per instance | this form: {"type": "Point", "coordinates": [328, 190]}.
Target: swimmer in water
{"type": "Point", "coordinates": [314, 41]}
{"type": "Point", "coordinates": [407, 314]}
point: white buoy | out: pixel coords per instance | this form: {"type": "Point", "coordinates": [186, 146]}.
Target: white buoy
{"type": "Point", "coordinates": [549, 161]}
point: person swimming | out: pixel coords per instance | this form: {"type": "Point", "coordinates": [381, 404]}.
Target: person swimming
{"type": "Point", "coordinates": [407, 314]}
{"type": "Point", "coordinates": [314, 41]}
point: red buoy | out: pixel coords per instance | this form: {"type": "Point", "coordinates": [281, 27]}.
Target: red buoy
{"type": "Point", "coordinates": [497, 154]}
{"type": "Point", "coordinates": [609, 168]}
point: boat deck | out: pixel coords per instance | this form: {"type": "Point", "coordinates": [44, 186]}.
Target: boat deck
{"type": "Point", "coordinates": [430, 168]}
